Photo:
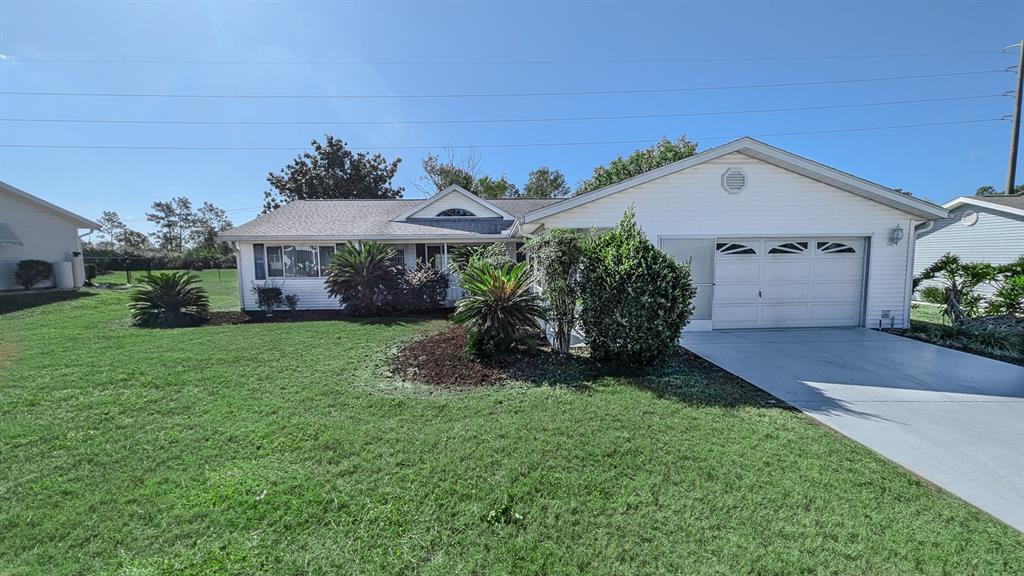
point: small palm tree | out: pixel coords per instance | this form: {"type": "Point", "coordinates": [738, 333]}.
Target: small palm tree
{"type": "Point", "coordinates": [959, 280]}
{"type": "Point", "coordinates": [363, 277]}
{"type": "Point", "coordinates": [501, 310]}
{"type": "Point", "coordinates": [169, 300]}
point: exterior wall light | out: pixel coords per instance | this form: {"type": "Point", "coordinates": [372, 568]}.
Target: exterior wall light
{"type": "Point", "coordinates": [895, 235]}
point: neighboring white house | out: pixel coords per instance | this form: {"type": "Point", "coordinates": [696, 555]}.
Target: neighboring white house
{"type": "Point", "coordinates": [978, 229]}
{"type": "Point", "coordinates": [33, 229]}
{"type": "Point", "coordinates": [773, 239]}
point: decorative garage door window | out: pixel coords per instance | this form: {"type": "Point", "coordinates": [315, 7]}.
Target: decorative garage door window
{"type": "Point", "coordinates": [734, 249]}
{"type": "Point", "coordinates": [788, 248]}
{"type": "Point", "coordinates": [835, 248]}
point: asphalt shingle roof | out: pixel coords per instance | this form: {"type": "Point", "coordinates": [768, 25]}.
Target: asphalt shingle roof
{"type": "Point", "coordinates": [1003, 200]}
{"type": "Point", "coordinates": [371, 218]}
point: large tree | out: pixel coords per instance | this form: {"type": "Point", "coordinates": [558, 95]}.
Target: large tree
{"type": "Point", "coordinates": [545, 182]}
{"type": "Point", "coordinates": [664, 152]}
{"type": "Point", "coordinates": [487, 187]}
{"type": "Point", "coordinates": [332, 172]}
{"type": "Point", "coordinates": [989, 190]}
{"type": "Point", "coordinates": [174, 220]}
{"type": "Point", "coordinates": [207, 222]}
{"type": "Point", "coordinates": [439, 173]}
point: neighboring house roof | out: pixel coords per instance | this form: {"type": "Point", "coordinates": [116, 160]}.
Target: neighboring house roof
{"type": "Point", "coordinates": [1008, 204]}
{"type": "Point", "coordinates": [377, 220]}
{"type": "Point", "coordinates": [454, 189]}
{"type": "Point", "coordinates": [772, 155]}
{"type": "Point", "coordinates": [8, 237]}
{"type": "Point", "coordinates": [81, 221]}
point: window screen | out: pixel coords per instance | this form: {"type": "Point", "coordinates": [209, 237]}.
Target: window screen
{"type": "Point", "coordinates": [275, 264]}
{"type": "Point", "coordinates": [259, 259]}
{"type": "Point", "coordinates": [326, 253]}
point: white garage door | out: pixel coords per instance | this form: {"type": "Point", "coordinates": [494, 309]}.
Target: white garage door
{"type": "Point", "coordinates": [792, 282]}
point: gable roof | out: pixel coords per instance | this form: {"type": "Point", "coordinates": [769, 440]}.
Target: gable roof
{"type": "Point", "coordinates": [80, 220]}
{"type": "Point", "coordinates": [772, 155]}
{"type": "Point", "coordinates": [377, 220]}
{"type": "Point", "coordinates": [454, 189]}
{"type": "Point", "coordinates": [1002, 203]}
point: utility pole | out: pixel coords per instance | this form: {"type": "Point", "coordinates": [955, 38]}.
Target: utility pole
{"type": "Point", "coordinates": [1015, 136]}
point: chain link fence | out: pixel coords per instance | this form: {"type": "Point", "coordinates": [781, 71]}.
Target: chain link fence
{"type": "Point", "coordinates": [125, 268]}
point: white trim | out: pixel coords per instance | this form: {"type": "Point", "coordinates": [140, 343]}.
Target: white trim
{"type": "Point", "coordinates": [772, 155]}
{"type": "Point", "coordinates": [450, 190]}
{"type": "Point", "coordinates": [359, 238]}
{"type": "Point", "coordinates": [85, 222]}
{"type": "Point", "coordinates": [961, 200]}
{"type": "Point", "coordinates": [911, 241]}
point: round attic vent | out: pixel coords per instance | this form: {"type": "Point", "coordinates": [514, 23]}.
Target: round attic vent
{"type": "Point", "coordinates": [734, 180]}
{"type": "Point", "coordinates": [969, 218]}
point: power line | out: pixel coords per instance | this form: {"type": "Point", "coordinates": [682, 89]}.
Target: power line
{"type": "Point", "coordinates": [487, 120]}
{"type": "Point", "coordinates": [569, 61]}
{"type": "Point", "coordinates": [497, 94]}
{"type": "Point", "coordinates": [502, 145]}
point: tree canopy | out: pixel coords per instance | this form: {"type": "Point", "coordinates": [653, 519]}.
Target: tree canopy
{"type": "Point", "coordinates": [487, 187]}
{"type": "Point", "coordinates": [332, 172]}
{"type": "Point", "coordinates": [990, 190]}
{"type": "Point", "coordinates": [179, 227]}
{"type": "Point", "coordinates": [546, 182]}
{"type": "Point", "coordinates": [664, 152]}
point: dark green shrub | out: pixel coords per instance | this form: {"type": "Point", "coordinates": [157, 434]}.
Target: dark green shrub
{"type": "Point", "coordinates": [1008, 297]}
{"type": "Point", "coordinates": [28, 273]}
{"type": "Point", "coordinates": [636, 298]}
{"type": "Point", "coordinates": [363, 278]}
{"type": "Point", "coordinates": [422, 289]}
{"type": "Point", "coordinates": [556, 256]}
{"type": "Point", "coordinates": [496, 253]}
{"type": "Point", "coordinates": [933, 294]}
{"type": "Point", "coordinates": [169, 300]}
{"type": "Point", "coordinates": [90, 271]}
{"type": "Point", "coordinates": [268, 297]}
{"type": "Point", "coordinates": [292, 302]}
{"type": "Point", "coordinates": [501, 311]}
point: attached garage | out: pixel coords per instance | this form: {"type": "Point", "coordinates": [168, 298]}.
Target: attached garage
{"type": "Point", "coordinates": [773, 240]}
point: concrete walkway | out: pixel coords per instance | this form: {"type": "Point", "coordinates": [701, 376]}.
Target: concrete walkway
{"type": "Point", "coordinates": [953, 418]}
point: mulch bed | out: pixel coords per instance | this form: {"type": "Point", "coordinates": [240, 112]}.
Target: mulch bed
{"type": "Point", "coordinates": [441, 360]}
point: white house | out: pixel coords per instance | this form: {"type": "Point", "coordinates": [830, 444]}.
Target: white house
{"type": "Point", "coordinates": [773, 239]}
{"type": "Point", "coordinates": [33, 229]}
{"type": "Point", "coordinates": [978, 229]}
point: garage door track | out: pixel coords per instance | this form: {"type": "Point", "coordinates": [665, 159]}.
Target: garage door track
{"type": "Point", "coordinates": [953, 418]}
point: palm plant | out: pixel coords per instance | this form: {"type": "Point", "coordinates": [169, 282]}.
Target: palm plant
{"type": "Point", "coordinates": [959, 280]}
{"type": "Point", "coordinates": [501, 310]}
{"type": "Point", "coordinates": [363, 277]}
{"type": "Point", "coordinates": [169, 300]}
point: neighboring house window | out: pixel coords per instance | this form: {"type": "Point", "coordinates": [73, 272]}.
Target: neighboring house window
{"type": "Point", "coordinates": [399, 258]}
{"type": "Point", "coordinates": [455, 212]}
{"type": "Point", "coordinates": [326, 253]}
{"type": "Point", "coordinates": [275, 264]}
{"type": "Point", "coordinates": [259, 261]}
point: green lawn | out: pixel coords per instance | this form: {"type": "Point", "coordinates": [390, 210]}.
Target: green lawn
{"type": "Point", "coordinates": [286, 449]}
{"type": "Point", "coordinates": [925, 312]}
{"type": "Point", "coordinates": [222, 285]}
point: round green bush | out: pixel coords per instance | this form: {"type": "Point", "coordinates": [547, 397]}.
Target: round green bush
{"type": "Point", "coordinates": [28, 273]}
{"type": "Point", "coordinates": [636, 299]}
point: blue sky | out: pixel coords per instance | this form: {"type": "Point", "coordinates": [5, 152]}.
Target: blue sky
{"type": "Point", "coordinates": [428, 48]}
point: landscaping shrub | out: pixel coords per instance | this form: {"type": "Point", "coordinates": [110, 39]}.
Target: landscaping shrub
{"type": "Point", "coordinates": [496, 253]}
{"type": "Point", "coordinates": [501, 310]}
{"type": "Point", "coordinates": [292, 302]}
{"type": "Point", "coordinates": [363, 277]}
{"type": "Point", "coordinates": [169, 300]}
{"type": "Point", "coordinates": [636, 298]}
{"type": "Point", "coordinates": [993, 336]}
{"type": "Point", "coordinates": [423, 288]}
{"type": "Point", "coordinates": [90, 272]}
{"type": "Point", "coordinates": [556, 256]}
{"type": "Point", "coordinates": [268, 297]}
{"type": "Point", "coordinates": [28, 273]}
{"type": "Point", "coordinates": [1009, 294]}
{"type": "Point", "coordinates": [959, 280]}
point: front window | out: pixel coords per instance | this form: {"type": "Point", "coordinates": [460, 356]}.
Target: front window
{"type": "Point", "coordinates": [292, 261]}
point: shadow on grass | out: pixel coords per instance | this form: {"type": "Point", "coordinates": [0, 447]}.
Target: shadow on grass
{"type": "Point", "coordinates": [14, 301]}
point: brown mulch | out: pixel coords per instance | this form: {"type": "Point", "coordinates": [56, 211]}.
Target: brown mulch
{"type": "Point", "coordinates": [441, 360]}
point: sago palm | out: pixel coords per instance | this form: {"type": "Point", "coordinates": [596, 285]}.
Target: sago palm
{"type": "Point", "coordinates": [501, 309]}
{"type": "Point", "coordinates": [168, 300]}
{"type": "Point", "coordinates": [363, 277]}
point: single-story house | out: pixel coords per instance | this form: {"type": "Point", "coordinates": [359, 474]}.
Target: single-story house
{"type": "Point", "coordinates": [773, 239]}
{"type": "Point", "coordinates": [33, 229]}
{"type": "Point", "coordinates": [978, 229]}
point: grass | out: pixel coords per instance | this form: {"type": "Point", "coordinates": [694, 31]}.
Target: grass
{"type": "Point", "coordinates": [222, 285]}
{"type": "Point", "coordinates": [927, 313]}
{"type": "Point", "coordinates": [286, 448]}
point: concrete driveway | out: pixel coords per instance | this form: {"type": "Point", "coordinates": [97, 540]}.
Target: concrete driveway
{"type": "Point", "coordinates": [953, 418]}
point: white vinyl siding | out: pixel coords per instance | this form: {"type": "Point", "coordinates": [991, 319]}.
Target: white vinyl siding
{"type": "Point", "coordinates": [996, 238]}
{"type": "Point", "coordinates": [310, 290]}
{"type": "Point", "coordinates": [775, 203]}
{"type": "Point", "coordinates": [44, 233]}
